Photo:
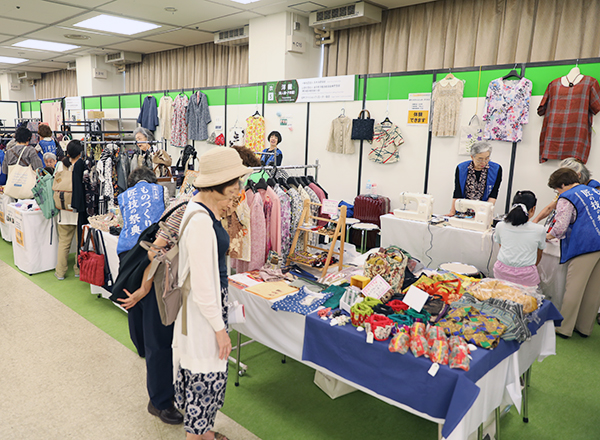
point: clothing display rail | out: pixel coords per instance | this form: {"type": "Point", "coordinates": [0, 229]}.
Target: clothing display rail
{"type": "Point", "coordinates": [316, 166]}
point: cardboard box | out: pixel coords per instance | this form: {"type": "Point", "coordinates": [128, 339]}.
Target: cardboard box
{"type": "Point", "coordinates": [94, 114]}
{"type": "Point", "coordinates": [332, 387]}
{"type": "Point", "coordinates": [359, 281]}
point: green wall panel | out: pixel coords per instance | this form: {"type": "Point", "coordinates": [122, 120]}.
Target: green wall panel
{"type": "Point", "coordinates": [542, 76]}
{"type": "Point", "coordinates": [399, 86]}
{"type": "Point", "coordinates": [25, 106]}
{"type": "Point", "coordinates": [92, 103]}
{"type": "Point", "coordinates": [130, 101]}
{"type": "Point", "coordinates": [244, 95]}
{"type": "Point", "coordinates": [109, 102]}
{"type": "Point", "coordinates": [217, 96]}
{"type": "Point", "coordinates": [35, 106]}
{"type": "Point", "coordinates": [157, 96]}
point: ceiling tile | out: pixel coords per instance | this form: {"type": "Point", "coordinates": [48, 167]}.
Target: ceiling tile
{"type": "Point", "coordinates": [37, 11]}
{"type": "Point", "coordinates": [185, 37]}
{"type": "Point", "coordinates": [141, 46]}
{"type": "Point", "coordinates": [230, 22]}
{"type": "Point", "coordinates": [18, 27]}
{"type": "Point", "coordinates": [154, 10]}
{"type": "Point", "coordinates": [96, 39]}
{"type": "Point", "coordinates": [81, 3]}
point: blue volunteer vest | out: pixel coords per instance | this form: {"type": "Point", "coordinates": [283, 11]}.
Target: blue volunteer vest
{"type": "Point", "coordinates": [141, 205]}
{"type": "Point", "coordinates": [593, 184]}
{"type": "Point", "coordinates": [492, 175]}
{"type": "Point", "coordinates": [583, 236]}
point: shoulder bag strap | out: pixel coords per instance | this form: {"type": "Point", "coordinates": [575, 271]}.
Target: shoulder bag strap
{"type": "Point", "coordinates": [20, 155]}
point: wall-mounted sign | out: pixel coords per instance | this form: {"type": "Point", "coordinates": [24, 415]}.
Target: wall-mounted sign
{"type": "Point", "coordinates": [328, 89]}
{"type": "Point", "coordinates": [418, 108]}
{"type": "Point", "coordinates": [73, 103]}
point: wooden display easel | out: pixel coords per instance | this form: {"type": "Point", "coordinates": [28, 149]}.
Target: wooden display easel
{"type": "Point", "coordinates": [339, 233]}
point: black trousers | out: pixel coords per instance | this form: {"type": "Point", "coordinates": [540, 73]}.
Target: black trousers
{"type": "Point", "coordinates": [153, 341]}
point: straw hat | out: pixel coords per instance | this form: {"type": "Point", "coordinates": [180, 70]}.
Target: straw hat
{"type": "Point", "coordinates": [220, 165]}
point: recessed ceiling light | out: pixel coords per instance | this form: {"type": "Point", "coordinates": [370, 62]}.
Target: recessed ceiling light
{"type": "Point", "coordinates": [116, 25]}
{"type": "Point", "coordinates": [77, 37]}
{"type": "Point", "coordinates": [45, 45]}
{"type": "Point", "coordinates": [12, 60]}
{"type": "Point", "coordinates": [170, 9]}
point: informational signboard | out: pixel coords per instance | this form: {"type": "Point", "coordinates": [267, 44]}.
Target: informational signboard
{"type": "Point", "coordinates": [418, 108]}
{"type": "Point", "coordinates": [328, 89]}
{"type": "Point", "coordinates": [18, 221]}
{"type": "Point", "coordinates": [73, 103]}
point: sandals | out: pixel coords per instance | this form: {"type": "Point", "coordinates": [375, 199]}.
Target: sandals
{"type": "Point", "coordinates": [219, 436]}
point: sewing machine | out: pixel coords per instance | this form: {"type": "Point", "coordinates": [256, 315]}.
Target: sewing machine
{"type": "Point", "coordinates": [423, 210]}
{"type": "Point", "coordinates": [481, 221]}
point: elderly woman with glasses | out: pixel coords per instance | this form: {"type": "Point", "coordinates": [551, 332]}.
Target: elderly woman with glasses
{"type": "Point", "coordinates": [478, 178]}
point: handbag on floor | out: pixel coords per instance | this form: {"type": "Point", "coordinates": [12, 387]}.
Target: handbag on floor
{"type": "Point", "coordinates": [90, 261]}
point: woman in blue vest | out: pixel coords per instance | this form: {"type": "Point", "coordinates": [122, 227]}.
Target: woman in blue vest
{"type": "Point", "coordinates": [585, 178]}
{"type": "Point", "coordinates": [272, 155]}
{"type": "Point", "coordinates": [478, 178]}
{"type": "Point", "coordinates": [141, 205]}
{"type": "Point", "coordinates": [577, 225]}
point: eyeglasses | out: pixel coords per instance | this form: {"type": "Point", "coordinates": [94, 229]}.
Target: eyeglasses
{"type": "Point", "coordinates": [481, 159]}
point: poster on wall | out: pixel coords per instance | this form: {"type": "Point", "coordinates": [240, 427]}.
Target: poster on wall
{"type": "Point", "coordinates": [329, 89]}
{"type": "Point", "coordinates": [418, 108]}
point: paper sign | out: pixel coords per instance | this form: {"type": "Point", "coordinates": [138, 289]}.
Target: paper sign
{"type": "Point", "coordinates": [376, 288]}
{"type": "Point", "coordinates": [415, 298]}
{"type": "Point", "coordinates": [18, 221]}
{"type": "Point", "coordinates": [418, 108]}
{"type": "Point", "coordinates": [329, 207]}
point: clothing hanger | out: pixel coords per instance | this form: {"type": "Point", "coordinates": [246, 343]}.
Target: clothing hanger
{"type": "Point", "coordinates": [250, 185]}
{"type": "Point", "coordinates": [343, 114]}
{"type": "Point", "coordinates": [256, 113]}
{"type": "Point", "coordinates": [304, 180]}
{"type": "Point", "coordinates": [271, 182]}
{"type": "Point", "coordinates": [281, 181]}
{"type": "Point", "coordinates": [512, 73]}
{"type": "Point", "coordinates": [386, 121]}
{"type": "Point", "coordinates": [292, 181]}
{"type": "Point", "coordinates": [261, 184]}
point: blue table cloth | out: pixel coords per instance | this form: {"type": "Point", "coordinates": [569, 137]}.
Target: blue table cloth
{"type": "Point", "coordinates": [403, 378]}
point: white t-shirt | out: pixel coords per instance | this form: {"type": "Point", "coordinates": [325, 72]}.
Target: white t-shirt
{"type": "Point", "coordinates": [519, 244]}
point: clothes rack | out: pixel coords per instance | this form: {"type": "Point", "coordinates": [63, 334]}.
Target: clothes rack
{"type": "Point", "coordinates": [316, 166]}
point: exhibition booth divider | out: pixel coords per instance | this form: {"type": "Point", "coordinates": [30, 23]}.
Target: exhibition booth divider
{"type": "Point", "coordinates": [426, 162]}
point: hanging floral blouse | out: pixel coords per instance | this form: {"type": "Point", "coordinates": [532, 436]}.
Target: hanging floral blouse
{"type": "Point", "coordinates": [179, 123]}
{"type": "Point", "coordinates": [255, 133]}
{"type": "Point", "coordinates": [386, 140]}
{"type": "Point", "coordinates": [507, 109]}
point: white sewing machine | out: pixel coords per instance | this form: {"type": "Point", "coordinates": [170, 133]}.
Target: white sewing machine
{"type": "Point", "coordinates": [423, 210]}
{"type": "Point", "coordinates": [481, 221]}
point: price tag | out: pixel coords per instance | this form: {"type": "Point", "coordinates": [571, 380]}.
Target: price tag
{"type": "Point", "coordinates": [415, 298]}
{"type": "Point", "coordinates": [369, 338]}
{"type": "Point", "coordinates": [376, 288]}
{"type": "Point", "coordinates": [329, 207]}
{"type": "Point", "coordinates": [433, 369]}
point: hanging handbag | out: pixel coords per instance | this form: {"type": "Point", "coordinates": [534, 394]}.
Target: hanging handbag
{"type": "Point", "coordinates": [362, 128]}
{"type": "Point", "coordinates": [390, 263]}
{"type": "Point", "coordinates": [43, 194]}
{"type": "Point", "coordinates": [21, 180]}
{"type": "Point", "coordinates": [168, 182]}
{"type": "Point", "coordinates": [91, 264]}
{"type": "Point", "coordinates": [469, 134]}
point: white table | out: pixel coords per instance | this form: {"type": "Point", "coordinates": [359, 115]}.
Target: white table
{"type": "Point", "coordinates": [553, 275]}
{"type": "Point", "coordinates": [284, 332]}
{"type": "Point", "coordinates": [35, 239]}
{"type": "Point", "coordinates": [434, 245]}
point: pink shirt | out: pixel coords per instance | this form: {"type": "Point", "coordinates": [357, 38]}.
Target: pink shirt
{"type": "Point", "coordinates": [565, 215]}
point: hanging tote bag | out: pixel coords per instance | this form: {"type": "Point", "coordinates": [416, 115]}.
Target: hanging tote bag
{"type": "Point", "coordinates": [390, 263]}
{"type": "Point", "coordinates": [90, 262]}
{"type": "Point", "coordinates": [362, 128]}
{"type": "Point", "coordinates": [168, 182]}
{"type": "Point", "coordinates": [20, 181]}
{"type": "Point", "coordinates": [63, 188]}
{"type": "Point", "coordinates": [469, 134]}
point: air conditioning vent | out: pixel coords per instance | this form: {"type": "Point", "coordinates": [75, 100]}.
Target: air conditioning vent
{"type": "Point", "coordinates": [29, 75]}
{"type": "Point", "coordinates": [72, 65]}
{"type": "Point", "coordinates": [233, 37]}
{"type": "Point", "coordinates": [123, 58]}
{"type": "Point", "coordinates": [347, 16]}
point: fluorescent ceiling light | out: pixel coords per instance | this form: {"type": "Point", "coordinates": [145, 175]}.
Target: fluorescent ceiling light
{"type": "Point", "coordinates": [116, 25]}
{"type": "Point", "coordinates": [12, 60]}
{"type": "Point", "coordinates": [45, 45]}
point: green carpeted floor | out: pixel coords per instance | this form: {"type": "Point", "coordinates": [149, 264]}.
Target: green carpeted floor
{"type": "Point", "coordinates": [278, 401]}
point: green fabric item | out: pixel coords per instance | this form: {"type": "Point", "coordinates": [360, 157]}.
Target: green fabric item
{"type": "Point", "coordinates": [401, 319]}
{"type": "Point", "coordinates": [371, 302]}
{"type": "Point", "coordinates": [334, 300]}
{"type": "Point", "coordinates": [255, 177]}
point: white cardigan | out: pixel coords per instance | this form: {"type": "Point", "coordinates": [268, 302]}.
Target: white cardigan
{"type": "Point", "coordinates": [198, 257]}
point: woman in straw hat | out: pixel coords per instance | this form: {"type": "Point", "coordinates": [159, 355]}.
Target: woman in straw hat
{"type": "Point", "coordinates": [201, 344]}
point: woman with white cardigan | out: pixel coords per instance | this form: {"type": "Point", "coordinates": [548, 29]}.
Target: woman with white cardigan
{"type": "Point", "coordinates": [201, 344]}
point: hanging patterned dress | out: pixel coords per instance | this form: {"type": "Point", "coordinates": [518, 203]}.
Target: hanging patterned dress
{"type": "Point", "coordinates": [446, 96]}
{"type": "Point", "coordinates": [255, 133]}
{"type": "Point", "coordinates": [179, 125]}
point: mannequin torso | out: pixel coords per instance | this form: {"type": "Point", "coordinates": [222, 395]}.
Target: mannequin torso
{"type": "Point", "coordinates": [572, 78]}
